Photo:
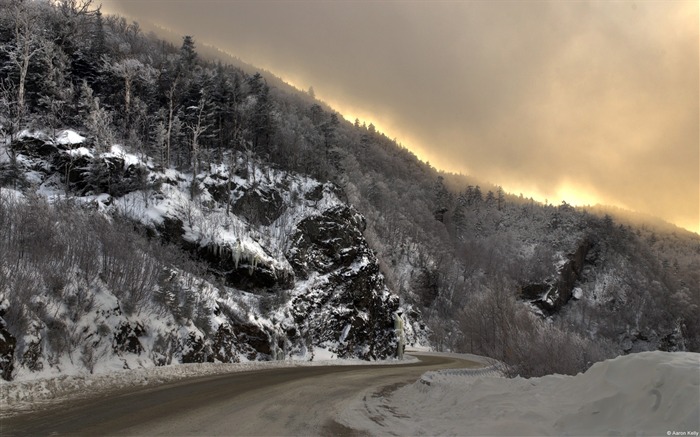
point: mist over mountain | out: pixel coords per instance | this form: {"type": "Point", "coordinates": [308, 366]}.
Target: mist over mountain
{"type": "Point", "coordinates": [586, 102]}
{"type": "Point", "coordinates": [159, 207]}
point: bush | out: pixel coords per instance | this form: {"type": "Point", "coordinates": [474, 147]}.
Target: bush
{"type": "Point", "coordinates": [495, 324]}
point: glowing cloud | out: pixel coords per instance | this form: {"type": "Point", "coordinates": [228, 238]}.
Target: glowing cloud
{"type": "Point", "coordinates": [587, 101]}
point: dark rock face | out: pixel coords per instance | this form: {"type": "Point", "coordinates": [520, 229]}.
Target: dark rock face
{"type": "Point", "coordinates": [73, 168]}
{"type": "Point", "coordinates": [260, 206]}
{"type": "Point", "coordinates": [224, 345]}
{"type": "Point", "coordinates": [7, 347]}
{"type": "Point", "coordinates": [220, 191]}
{"type": "Point", "coordinates": [100, 174]}
{"type": "Point", "coordinates": [571, 271]}
{"type": "Point", "coordinates": [34, 147]}
{"type": "Point", "coordinates": [534, 291]}
{"type": "Point", "coordinates": [328, 242]}
{"type": "Point", "coordinates": [252, 341]}
{"type": "Point", "coordinates": [315, 194]}
{"type": "Point", "coordinates": [195, 349]}
{"type": "Point", "coordinates": [171, 230]}
{"type": "Point", "coordinates": [351, 311]}
{"type": "Point", "coordinates": [551, 295]}
{"type": "Point", "coordinates": [353, 308]}
{"type": "Point", "coordinates": [126, 338]}
{"type": "Point", "coordinates": [243, 273]}
{"type": "Point", "coordinates": [239, 272]}
{"type": "Point", "coordinates": [348, 309]}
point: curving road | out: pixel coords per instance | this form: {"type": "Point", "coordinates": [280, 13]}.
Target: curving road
{"type": "Point", "coordinates": [287, 401]}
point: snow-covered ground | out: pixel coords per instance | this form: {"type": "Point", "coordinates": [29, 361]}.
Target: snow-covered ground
{"type": "Point", "coordinates": [649, 393]}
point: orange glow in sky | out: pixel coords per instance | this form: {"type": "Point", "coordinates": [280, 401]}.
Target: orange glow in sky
{"type": "Point", "coordinates": [566, 191]}
{"type": "Point", "coordinates": [586, 102]}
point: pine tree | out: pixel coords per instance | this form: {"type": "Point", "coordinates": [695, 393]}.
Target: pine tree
{"type": "Point", "coordinates": [255, 84]}
{"type": "Point", "coordinates": [316, 114]}
{"type": "Point", "coordinates": [188, 55]}
{"type": "Point", "coordinates": [442, 199]}
{"type": "Point", "coordinates": [98, 120]}
{"type": "Point", "coordinates": [56, 90]}
{"type": "Point", "coordinates": [262, 119]}
{"type": "Point", "coordinates": [500, 196]}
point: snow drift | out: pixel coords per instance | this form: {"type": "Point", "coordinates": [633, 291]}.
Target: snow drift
{"type": "Point", "coordinates": [649, 393]}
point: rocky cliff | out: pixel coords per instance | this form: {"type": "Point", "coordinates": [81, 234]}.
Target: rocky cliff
{"type": "Point", "coordinates": [286, 272]}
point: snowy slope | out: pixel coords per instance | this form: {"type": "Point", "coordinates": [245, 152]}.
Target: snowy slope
{"type": "Point", "coordinates": [288, 272]}
{"type": "Point", "coordinates": [649, 393]}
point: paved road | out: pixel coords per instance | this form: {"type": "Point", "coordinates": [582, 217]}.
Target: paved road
{"type": "Point", "coordinates": [286, 401]}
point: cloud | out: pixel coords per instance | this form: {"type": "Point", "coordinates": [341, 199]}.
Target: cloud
{"type": "Point", "coordinates": [597, 99]}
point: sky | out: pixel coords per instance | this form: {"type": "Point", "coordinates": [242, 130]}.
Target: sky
{"type": "Point", "coordinates": [583, 101]}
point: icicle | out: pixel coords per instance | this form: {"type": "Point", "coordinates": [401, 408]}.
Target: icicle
{"type": "Point", "coordinates": [398, 329]}
{"type": "Point", "coordinates": [237, 253]}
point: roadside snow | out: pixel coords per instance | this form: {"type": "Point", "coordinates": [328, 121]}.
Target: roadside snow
{"type": "Point", "coordinates": [649, 393]}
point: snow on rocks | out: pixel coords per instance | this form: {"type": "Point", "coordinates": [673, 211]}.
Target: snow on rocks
{"type": "Point", "coordinates": [239, 219]}
{"type": "Point", "coordinates": [69, 137]}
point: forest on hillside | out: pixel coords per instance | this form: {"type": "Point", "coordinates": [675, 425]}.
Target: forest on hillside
{"type": "Point", "coordinates": [544, 288]}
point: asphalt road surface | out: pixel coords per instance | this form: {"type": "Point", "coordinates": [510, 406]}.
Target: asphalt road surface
{"type": "Point", "coordinates": [297, 401]}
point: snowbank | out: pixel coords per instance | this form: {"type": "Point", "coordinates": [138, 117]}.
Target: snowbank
{"type": "Point", "coordinates": [650, 393]}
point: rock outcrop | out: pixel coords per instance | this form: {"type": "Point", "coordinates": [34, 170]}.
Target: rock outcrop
{"type": "Point", "coordinates": [7, 345]}
{"type": "Point", "coordinates": [288, 268]}
{"type": "Point", "coordinates": [349, 310]}
{"type": "Point", "coordinates": [555, 292]}
{"type": "Point", "coordinates": [260, 205]}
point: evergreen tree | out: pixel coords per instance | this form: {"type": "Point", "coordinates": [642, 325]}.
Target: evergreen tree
{"type": "Point", "coordinates": [188, 55]}
{"type": "Point", "coordinates": [256, 84]}
{"type": "Point", "coordinates": [98, 120]}
{"type": "Point", "coordinates": [316, 114]}
{"type": "Point", "coordinates": [500, 196]}
{"type": "Point", "coordinates": [263, 123]}
{"type": "Point", "coordinates": [442, 199]}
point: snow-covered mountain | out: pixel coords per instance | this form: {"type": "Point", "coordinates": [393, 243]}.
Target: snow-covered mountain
{"type": "Point", "coordinates": [193, 182]}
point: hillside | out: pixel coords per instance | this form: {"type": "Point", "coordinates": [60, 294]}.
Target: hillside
{"type": "Point", "coordinates": [210, 172]}
{"type": "Point", "coordinates": [240, 263]}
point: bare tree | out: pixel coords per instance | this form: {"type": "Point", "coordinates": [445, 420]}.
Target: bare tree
{"type": "Point", "coordinates": [129, 70]}
{"type": "Point", "coordinates": [197, 129]}
{"type": "Point", "coordinates": [28, 43]}
{"type": "Point", "coordinates": [171, 113]}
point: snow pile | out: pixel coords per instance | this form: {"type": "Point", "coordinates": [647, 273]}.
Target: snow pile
{"type": "Point", "coordinates": [650, 393]}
